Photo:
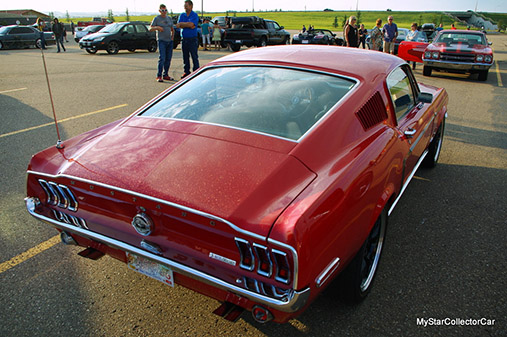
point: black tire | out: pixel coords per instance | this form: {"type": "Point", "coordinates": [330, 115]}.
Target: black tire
{"type": "Point", "coordinates": [112, 47]}
{"type": "Point", "coordinates": [356, 280]}
{"type": "Point", "coordinates": [91, 50]}
{"type": "Point", "coordinates": [235, 47]}
{"type": "Point", "coordinates": [38, 43]}
{"type": "Point", "coordinates": [131, 50]}
{"type": "Point", "coordinates": [427, 71]}
{"type": "Point", "coordinates": [435, 147]}
{"type": "Point", "coordinates": [483, 75]}
{"type": "Point", "coordinates": [263, 42]}
{"type": "Point", "coordinates": [152, 46]}
{"type": "Point", "coordinates": [287, 40]}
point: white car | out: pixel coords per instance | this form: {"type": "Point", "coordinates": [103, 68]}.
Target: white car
{"type": "Point", "coordinates": [78, 34]}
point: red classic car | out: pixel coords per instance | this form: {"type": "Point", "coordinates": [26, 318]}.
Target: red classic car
{"type": "Point", "coordinates": [255, 181]}
{"type": "Point", "coordinates": [452, 51]}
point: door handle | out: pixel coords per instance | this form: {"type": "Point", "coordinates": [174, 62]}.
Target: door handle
{"type": "Point", "coordinates": [410, 132]}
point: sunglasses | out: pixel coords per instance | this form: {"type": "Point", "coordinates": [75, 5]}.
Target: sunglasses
{"type": "Point", "coordinates": [163, 10]}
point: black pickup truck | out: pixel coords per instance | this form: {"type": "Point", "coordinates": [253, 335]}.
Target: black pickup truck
{"type": "Point", "coordinates": [254, 31]}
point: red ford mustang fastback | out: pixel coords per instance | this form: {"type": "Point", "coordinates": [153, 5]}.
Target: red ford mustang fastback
{"type": "Point", "coordinates": [255, 181]}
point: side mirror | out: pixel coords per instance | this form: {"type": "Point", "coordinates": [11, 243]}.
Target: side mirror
{"type": "Point", "coordinates": [124, 33]}
{"type": "Point", "coordinates": [282, 27]}
{"type": "Point", "coordinates": [490, 43]}
{"type": "Point", "coordinates": [425, 97]}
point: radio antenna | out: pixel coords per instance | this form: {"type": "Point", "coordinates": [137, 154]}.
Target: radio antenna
{"type": "Point", "coordinates": [59, 144]}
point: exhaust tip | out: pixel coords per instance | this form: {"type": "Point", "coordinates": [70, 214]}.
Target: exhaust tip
{"type": "Point", "coordinates": [261, 315]}
{"type": "Point", "coordinates": [67, 239]}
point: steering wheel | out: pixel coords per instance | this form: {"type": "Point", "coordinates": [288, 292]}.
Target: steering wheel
{"type": "Point", "coordinates": [301, 101]}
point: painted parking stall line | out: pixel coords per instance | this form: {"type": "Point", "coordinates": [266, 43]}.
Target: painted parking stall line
{"type": "Point", "coordinates": [12, 90]}
{"type": "Point", "coordinates": [62, 120]}
{"type": "Point", "coordinates": [4, 266]}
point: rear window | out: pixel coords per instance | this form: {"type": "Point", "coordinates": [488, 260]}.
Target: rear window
{"type": "Point", "coordinates": [276, 101]}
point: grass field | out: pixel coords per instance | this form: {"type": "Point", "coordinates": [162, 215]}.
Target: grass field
{"type": "Point", "coordinates": [320, 19]}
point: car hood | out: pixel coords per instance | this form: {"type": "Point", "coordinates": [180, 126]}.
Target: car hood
{"type": "Point", "coordinates": [246, 185]}
{"type": "Point", "coordinates": [97, 35]}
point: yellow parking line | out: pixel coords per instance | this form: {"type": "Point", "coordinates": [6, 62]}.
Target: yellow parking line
{"type": "Point", "coordinates": [12, 90]}
{"type": "Point", "coordinates": [62, 120]}
{"type": "Point", "coordinates": [4, 266]}
{"type": "Point", "coordinates": [499, 78]}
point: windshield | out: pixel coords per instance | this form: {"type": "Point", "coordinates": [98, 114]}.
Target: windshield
{"type": "Point", "coordinates": [112, 28]}
{"type": "Point", "coordinates": [456, 38]}
{"type": "Point", "coordinates": [276, 101]}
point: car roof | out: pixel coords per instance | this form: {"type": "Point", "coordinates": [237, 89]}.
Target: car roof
{"type": "Point", "coordinates": [349, 61]}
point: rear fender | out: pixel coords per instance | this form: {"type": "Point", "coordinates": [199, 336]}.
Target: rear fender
{"type": "Point", "coordinates": [412, 51]}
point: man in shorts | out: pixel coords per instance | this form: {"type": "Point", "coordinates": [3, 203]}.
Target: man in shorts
{"type": "Point", "coordinates": [390, 32]}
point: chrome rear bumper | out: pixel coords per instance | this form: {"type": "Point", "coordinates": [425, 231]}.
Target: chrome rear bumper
{"type": "Point", "coordinates": [294, 301]}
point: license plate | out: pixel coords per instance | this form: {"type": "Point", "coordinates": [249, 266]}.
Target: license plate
{"type": "Point", "coordinates": [151, 269]}
{"type": "Point", "coordinates": [305, 41]}
{"type": "Point", "coordinates": [238, 41]}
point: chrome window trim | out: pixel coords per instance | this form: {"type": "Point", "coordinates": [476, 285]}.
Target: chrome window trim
{"type": "Point", "coordinates": [186, 209]}
{"type": "Point", "coordinates": [294, 301]}
{"type": "Point", "coordinates": [246, 64]}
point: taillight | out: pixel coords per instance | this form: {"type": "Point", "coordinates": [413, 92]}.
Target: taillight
{"type": "Point", "coordinates": [267, 262]}
{"type": "Point", "coordinates": [282, 266]}
{"type": "Point", "coordinates": [245, 251]}
{"type": "Point", "coordinates": [264, 264]}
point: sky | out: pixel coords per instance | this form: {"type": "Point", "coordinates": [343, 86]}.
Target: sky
{"type": "Point", "coordinates": [151, 6]}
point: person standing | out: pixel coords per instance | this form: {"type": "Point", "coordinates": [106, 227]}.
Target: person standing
{"type": "Point", "coordinates": [188, 21]}
{"type": "Point", "coordinates": [205, 27]}
{"type": "Point", "coordinates": [440, 27]}
{"type": "Point", "coordinates": [452, 26]}
{"type": "Point", "coordinates": [217, 35]}
{"type": "Point", "coordinates": [414, 36]}
{"type": "Point", "coordinates": [390, 32]}
{"type": "Point", "coordinates": [376, 36]}
{"type": "Point", "coordinates": [41, 26]}
{"type": "Point", "coordinates": [163, 25]}
{"type": "Point", "coordinates": [362, 36]}
{"type": "Point", "coordinates": [57, 29]}
{"type": "Point", "coordinates": [351, 33]}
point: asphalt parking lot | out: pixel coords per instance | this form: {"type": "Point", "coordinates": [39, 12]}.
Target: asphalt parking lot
{"type": "Point", "coordinates": [445, 256]}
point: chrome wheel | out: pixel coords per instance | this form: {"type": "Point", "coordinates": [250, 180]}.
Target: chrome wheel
{"type": "Point", "coordinates": [373, 248]}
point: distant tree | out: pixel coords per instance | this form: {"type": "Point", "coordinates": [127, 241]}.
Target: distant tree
{"type": "Point", "coordinates": [127, 16]}
{"type": "Point", "coordinates": [51, 15]}
{"type": "Point", "coordinates": [358, 16]}
{"type": "Point", "coordinates": [335, 23]}
{"type": "Point", "coordinates": [344, 22]}
{"type": "Point", "coordinates": [501, 25]}
{"type": "Point", "coordinates": [67, 16]}
{"type": "Point", "coordinates": [110, 15]}
{"type": "Point", "coordinates": [420, 20]}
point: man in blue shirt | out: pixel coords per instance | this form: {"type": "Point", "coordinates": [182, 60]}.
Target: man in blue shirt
{"type": "Point", "coordinates": [187, 22]}
{"type": "Point", "coordinates": [390, 32]}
